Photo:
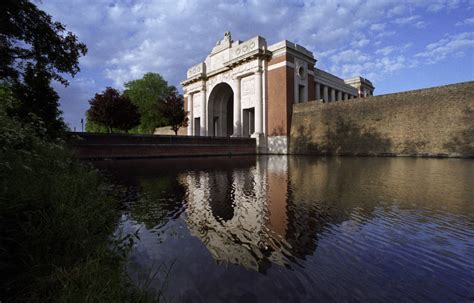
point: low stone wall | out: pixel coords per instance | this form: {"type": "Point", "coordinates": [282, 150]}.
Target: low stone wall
{"type": "Point", "coordinates": [437, 122]}
{"type": "Point", "coordinates": [119, 146]}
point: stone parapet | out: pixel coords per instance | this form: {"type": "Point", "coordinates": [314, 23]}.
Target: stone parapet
{"type": "Point", "coordinates": [118, 146]}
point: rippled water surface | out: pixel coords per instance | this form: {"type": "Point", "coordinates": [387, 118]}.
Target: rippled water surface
{"type": "Point", "coordinates": [301, 229]}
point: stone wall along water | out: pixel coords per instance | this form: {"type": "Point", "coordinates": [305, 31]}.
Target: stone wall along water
{"type": "Point", "coordinates": [120, 146]}
{"type": "Point", "coordinates": [433, 122]}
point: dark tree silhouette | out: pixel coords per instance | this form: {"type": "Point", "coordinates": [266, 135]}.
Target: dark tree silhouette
{"type": "Point", "coordinates": [172, 109]}
{"type": "Point", "coordinates": [38, 100]}
{"type": "Point", "coordinates": [113, 110]}
{"type": "Point", "coordinates": [33, 51]}
{"type": "Point", "coordinates": [28, 36]}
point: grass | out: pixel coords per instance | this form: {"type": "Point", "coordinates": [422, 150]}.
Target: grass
{"type": "Point", "coordinates": [57, 218]}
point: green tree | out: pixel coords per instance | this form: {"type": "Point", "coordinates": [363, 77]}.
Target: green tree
{"type": "Point", "coordinates": [172, 109]}
{"type": "Point", "coordinates": [92, 127]}
{"type": "Point", "coordinates": [33, 51]}
{"type": "Point", "coordinates": [29, 36]}
{"type": "Point", "coordinates": [112, 110]}
{"type": "Point", "coordinates": [146, 93]}
{"type": "Point", "coordinates": [38, 100]}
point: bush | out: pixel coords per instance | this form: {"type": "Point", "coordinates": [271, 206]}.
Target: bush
{"type": "Point", "coordinates": [56, 223]}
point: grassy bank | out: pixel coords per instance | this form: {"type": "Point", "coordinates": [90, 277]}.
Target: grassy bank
{"type": "Point", "coordinates": [56, 222]}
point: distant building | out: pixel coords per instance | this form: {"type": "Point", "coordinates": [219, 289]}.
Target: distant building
{"type": "Point", "coordinates": [247, 89]}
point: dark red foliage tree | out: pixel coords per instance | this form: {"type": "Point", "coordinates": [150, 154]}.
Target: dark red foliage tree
{"type": "Point", "coordinates": [172, 109]}
{"type": "Point", "coordinates": [113, 110]}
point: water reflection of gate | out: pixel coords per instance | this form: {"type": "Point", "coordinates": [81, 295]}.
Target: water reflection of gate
{"type": "Point", "coordinates": [243, 216]}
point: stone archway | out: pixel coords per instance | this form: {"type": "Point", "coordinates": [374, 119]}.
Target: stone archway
{"type": "Point", "coordinates": [220, 111]}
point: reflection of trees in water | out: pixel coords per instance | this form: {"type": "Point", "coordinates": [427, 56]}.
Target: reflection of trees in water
{"type": "Point", "coordinates": [157, 200]}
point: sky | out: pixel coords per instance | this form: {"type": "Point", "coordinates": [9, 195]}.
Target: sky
{"type": "Point", "coordinates": [398, 45]}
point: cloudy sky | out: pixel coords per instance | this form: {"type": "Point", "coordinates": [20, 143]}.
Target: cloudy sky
{"type": "Point", "coordinates": [399, 45]}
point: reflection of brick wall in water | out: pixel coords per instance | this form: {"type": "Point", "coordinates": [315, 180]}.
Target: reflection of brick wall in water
{"type": "Point", "coordinates": [436, 121]}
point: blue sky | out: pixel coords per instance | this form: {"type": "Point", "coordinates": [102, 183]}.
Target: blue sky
{"type": "Point", "coordinates": [399, 45]}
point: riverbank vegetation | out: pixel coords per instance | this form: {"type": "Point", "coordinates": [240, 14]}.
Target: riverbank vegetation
{"type": "Point", "coordinates": [57, 215]}
{"type": "Point", "coordinates": [56, 222]}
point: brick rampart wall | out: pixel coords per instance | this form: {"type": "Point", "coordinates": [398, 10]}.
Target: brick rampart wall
{"type": "Point", "coordinates": [116, 146]}
{"type": "Point", "coordinates": [436, 121]}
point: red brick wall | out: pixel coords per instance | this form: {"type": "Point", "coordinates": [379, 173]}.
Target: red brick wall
{"type": "Point", "coordinates": [280, 94]}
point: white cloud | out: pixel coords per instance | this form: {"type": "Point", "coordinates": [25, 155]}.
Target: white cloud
{"type": "Point", "coordinates": [411, 20]}
{"type": "Point", "coordinates": [385, 34]}
{"type": "Point", "coordinates": [374, 69]}
{"type": "Point", "coordinates": [421, 24]}
{"type": "Point", "coordinates": [385, 50]}
{"type": "Point", "coordinates": [450, 45]}
{"type": "Point", "coordinates": [360, 43]}
{"type": "Point", "coordinates": [438, 5]}
{"type": "Point", "coordinates": [128, 38]}
{"type": "Point", "coordinates": [468, 21]}
{"type": "Point", "coordinates": [406, 20]}
{"type": "Point", "coordinates": [349, 55]}
{"type": "Point", "coordinates": [377, 27]}
{"type": "Point", "coordinates": [397, 10]}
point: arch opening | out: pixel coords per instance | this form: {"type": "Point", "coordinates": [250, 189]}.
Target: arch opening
{"type": "Point", "coordinates": [220, 111]}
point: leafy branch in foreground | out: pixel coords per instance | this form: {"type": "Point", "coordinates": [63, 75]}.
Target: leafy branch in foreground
{"type": "Point", "coordinates": [29, 37]}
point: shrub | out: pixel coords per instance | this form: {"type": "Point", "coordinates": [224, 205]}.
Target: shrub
{"type": "Point", "coordinates": [56, 223]}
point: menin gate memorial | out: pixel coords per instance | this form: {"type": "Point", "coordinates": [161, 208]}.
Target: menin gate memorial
{"type": "Point", "coordinates": [247, 89]}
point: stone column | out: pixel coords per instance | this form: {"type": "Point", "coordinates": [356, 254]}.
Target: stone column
{"type": "Point", "coordinates": [191, 115]}
{"type": "Point", "coordinates": [237, 112]}
{"type": "Point", "coordinates": [318, 91]}
{"type": "Point", "coordinates": [344, 97]}
{"type": "Point", "coordinates": [259, 103]}
{"type": "Point", "coordinates": [333, 95]}
{"type": "Point", "coordinates": [325, 93]}
{"type": "Point", "coordinates": [339, 95]}
{"type": "Point", "coordinates": [203, 123]}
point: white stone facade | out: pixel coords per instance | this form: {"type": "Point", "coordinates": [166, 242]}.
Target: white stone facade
{"type": "Point", "coordinates": [239, 89]}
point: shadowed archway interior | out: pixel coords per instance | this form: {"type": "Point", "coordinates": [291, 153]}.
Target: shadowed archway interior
{"type": "Point", "coordinates": [221, 115]}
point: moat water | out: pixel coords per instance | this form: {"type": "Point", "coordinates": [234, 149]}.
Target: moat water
{"type": "Point", "coordinates": [300, 229]}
